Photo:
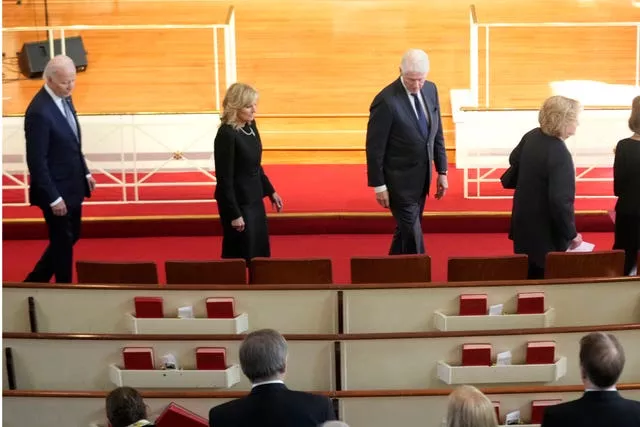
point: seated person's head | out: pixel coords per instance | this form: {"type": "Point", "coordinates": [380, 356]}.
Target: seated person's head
{"type": "Point", "coordinates": [125, 406]}
{"type": "Point", "coordinates": [263, 356]}
{"type": "Point", "coordinates": [469, 407]}
{"type": "Point", "coordinates": [601, 360]}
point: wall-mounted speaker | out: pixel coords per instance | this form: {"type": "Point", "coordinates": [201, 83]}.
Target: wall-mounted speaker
{"type": "Point", "coordinates": [34, 56]}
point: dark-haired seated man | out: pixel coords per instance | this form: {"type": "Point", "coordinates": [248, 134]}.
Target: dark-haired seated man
{"type": "Point", "coordinates": [125, 408]}
{"type": "Point", "coordinates": [263, 358]}
{"type": "Point", "coordinates": [601, 363]}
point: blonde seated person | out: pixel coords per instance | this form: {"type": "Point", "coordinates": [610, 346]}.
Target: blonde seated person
{"type": "Point", "coordinates": [469, 407]}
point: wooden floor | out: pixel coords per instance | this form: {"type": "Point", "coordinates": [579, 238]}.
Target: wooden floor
{"type": "Point", "coordinates": [321, 58]}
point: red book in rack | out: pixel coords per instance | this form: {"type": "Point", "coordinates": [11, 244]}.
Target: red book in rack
{"type": "Point", "coordinates": [138, 358]}
{"type": "Point", "coordinates": [473, 304]}
{"type": "Point", "coordinates": [220, 308]}
{"type": "Point", "coordinates": [177, 416]}
{"type": "Point", "coordinates": [531, 303]}
{"type": "Point", "coordinates": [149, 307]}
{"type": "Point", "coordinates": [211, 358]}
{"type": "Point", "coordinates": [476, 355]}
{"type": "Point", "coordinates": [541, 352]}
{"type": "Point", "coordinates": [538, 407]}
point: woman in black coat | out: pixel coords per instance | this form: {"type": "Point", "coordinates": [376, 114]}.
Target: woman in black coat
{"type": "Point", "coordinates": [241, 181]}
{"type": "Point", "coordinates": [626, 186]}
{"type": "Point", "coordinates": [543, 216]}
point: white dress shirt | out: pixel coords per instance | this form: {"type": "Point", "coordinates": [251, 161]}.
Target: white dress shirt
{"type": "Point", "coordinates": [383, 187]}
{"type": "Point", "coordinates": [267, 382]}
{"type": "Point", "coordinates": [58, 102]}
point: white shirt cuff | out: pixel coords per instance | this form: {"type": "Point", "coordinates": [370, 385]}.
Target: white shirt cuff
{"type": "Point", "coordinates": [55, 202]}
{"type": "Point", "coordinates": [380, 189]}
{"type": "Point", "coordinates": [88, 175]}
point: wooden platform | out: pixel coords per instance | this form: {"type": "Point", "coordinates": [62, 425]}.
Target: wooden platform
{"type": "Point", "coordinates": [318, 65]}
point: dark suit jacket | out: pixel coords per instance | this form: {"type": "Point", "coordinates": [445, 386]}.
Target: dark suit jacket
{"type": "Point", "coordinates": [273, 405]}
{"type": "Point", "coordinates": [54, 154]}
{"type": "Point", "coordinates": [594, 409]}
{"type": "Point", "coordinates": [398, 156]}
{"type": "Point", "coordinates": [543, 216]}
{"type": "Point", "coordinates": [240, 177]}
{"type": "Point", "coordinates": [626, 176]}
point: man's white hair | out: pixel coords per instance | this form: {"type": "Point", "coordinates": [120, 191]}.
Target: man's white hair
{"type": "Point", "coordinates": [57, 63]}
{"type": "Point", "coordinates": [415, 61]}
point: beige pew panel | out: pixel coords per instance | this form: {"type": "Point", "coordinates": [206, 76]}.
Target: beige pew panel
{"type": "Point", "coordinates": [429, 411]}
{"type": "Point", "coordinates": [82, 412]}
{"type": "Point", "coordinates": [410, 363]}
{"type": "Point", "coordinates": [104, 311]}
{"type": "Point", "coordinates": [411, 309]}
{"type": "Point", "coordinates": [57, 364]}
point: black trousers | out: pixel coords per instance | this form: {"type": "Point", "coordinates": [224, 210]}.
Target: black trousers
{"type": "Point", "coordinates": [407, 237]}
{"type": "Point", "coordinates": [627, 237]}
{"type": "Point", "coordinates": [57, 259]}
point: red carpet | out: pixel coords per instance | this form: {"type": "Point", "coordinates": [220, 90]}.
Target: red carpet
{"type": "Point", "coordinates": [304, 188]}
{"type": "Point", "coordinates": [19, 256]}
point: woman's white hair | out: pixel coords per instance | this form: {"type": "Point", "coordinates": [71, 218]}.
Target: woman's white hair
{"type": "Point", "coordinates": [415, 61]}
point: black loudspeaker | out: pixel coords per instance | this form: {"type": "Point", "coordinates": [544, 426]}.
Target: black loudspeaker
{"type": "Point", "coordinates": [34, 56]}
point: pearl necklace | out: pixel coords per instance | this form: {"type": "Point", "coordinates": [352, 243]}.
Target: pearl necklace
{"type": "Point", "coordinates": [250, 133]}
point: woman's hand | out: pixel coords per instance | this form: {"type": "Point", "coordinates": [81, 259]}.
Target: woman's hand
{"type": "Point", "coordinates": [276, 201]}
{"type": "Point", "coordinates": [238, 224]}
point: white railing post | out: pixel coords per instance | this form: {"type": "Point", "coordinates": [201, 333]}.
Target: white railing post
{"type": "Point", "coordinates": [473, 56]}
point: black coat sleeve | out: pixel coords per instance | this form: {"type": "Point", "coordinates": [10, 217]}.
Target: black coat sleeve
{"type": "Point", "coordinates": [440, 152]}
{"type": "Point", "coordinates": [224, 158]}
{"type": "Point", "coordinates": [562, 191]}
{"type": "Point", "coordinates": [378, 130]}
{"type": "Point", "coordinates": [37, 131]}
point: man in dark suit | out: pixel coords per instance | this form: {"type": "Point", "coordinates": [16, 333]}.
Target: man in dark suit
{"type": "Point", "coordinates": [263, 358]}
{"type": "Point", "coordinates": [60, 179]}
{"type": "Point", "coordinates": [404, 137]}
{"type": "Point", "coordinates": [601, 363]}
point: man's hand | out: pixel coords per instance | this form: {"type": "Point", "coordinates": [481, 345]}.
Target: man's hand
{"type": "Point", "coordinates": [442, 186]}
{"type": "Point", "coordinates": [59, 209]}
{"type": "Point", "coordinates": [276, 201]}
{"type": "Point", "coordinates": [92, 183]}
{"type": "Point", "coordinates": [383, 198]}
{"type": "Point", "coordinates": [238, 224]}
{"type": "Point", "coordinates": [576, 241]}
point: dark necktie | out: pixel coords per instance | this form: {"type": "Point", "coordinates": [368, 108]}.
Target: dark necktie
{"type": "Point", "coordinates": [422, 120]}
{"type": "Point", "coordinates": [69, 115]}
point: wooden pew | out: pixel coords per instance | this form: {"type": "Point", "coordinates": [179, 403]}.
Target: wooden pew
{"type": "Point", "coordinates": [379, 408]}
{"type": "Point", "coordinates": [214, 272]}
{"type": "Point", "coordinates": [412, 307]}
{"type": "Point", "coordinates": [564, 265]}
{"type": "Point", "coordinates": [81, 362]}
{"type": "Point", "coordinates": [427, 408]}
{"type": "Point", "coordinates": [391, 269]}
{"type": "Point", "coordinates": [117, 272]}
{"type": "Point", "coordinates": [410, 361]}
{"type": "Point", "coordinates": [467, 269]}
{"type": "Point", "coordinates": [105, 308]}
{"type": "Point", "coordinates": [269, 271]}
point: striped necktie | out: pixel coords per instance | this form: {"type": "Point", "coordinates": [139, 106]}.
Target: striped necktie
{"type": "Point", "coordinates": [66, 103]}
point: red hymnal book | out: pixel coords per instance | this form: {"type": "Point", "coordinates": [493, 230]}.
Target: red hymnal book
{"type": "Point", "coordinates": [531, 303]}
{"type": "Point", "coordinates": [473, 304]}
{"type": "Point", "coordinates": [149, 307]}
{"type": "Point", "coordinates": [538, 407]}
{"type": "Point", "coordinates": [211, 358]}
{"type": "Point", "coordinates": [476, 355]}
{"type": "Point", "coordinates": [541, 352]}
{"type": "Point", "coordinates": [220, 308]}
{"type": "Point", "coordinates": [496, 406]}
{"type": "Point", "coordinates": [138, 358]}
{"type": "Point", "coordinates": [177, 416]}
